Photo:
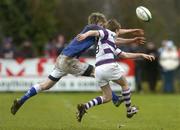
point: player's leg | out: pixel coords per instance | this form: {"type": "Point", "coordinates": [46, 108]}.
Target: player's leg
{"type": "Point", "coordinates": [30, 93]}
{"type": "Point", "coordinates": [126, 93]}
{"type": "Point", "coordinates": [117, 99]}
{"type": "Point", "coordinates": [90, 71]}
{"type": "Point", "coordinates": [35, 89]}
{"type": "Point", "coordinates": [106, 97]}
{"type": "Point", "coordinates": [55, 75]}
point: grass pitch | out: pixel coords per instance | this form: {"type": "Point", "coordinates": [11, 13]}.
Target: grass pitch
{"type": "Point", "coordinates": [56, 111]}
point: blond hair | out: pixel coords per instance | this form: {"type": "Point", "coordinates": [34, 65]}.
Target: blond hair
{"type": "Point", "coordinates": [96, 17]}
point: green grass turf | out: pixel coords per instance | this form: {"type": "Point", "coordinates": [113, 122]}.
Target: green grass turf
{"type": "Point", "coordinates": [56, 111]}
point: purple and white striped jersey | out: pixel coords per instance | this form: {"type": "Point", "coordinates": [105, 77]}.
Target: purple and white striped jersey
{"type": "Point", "coordinates": [106, 48]}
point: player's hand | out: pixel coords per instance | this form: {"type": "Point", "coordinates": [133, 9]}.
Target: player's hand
{"type": "Point", "coordinates": [138, 32]}
{"type": "Point", "coordinates": [148, 57]}
{"type": "Point", "coordinates": [139, 40]}
{"type": "Point", "coordinates": [81, 37]}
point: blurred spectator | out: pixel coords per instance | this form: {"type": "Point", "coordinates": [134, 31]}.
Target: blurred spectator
{"type": "Point", "coordinates": [60, 43]}
{"type": "Point", "coordinates": [169, 62]}
{"type": "Point", "coordinates": [163, 45]}
{"type": "Point", "coordinates": [50, 49]}
{"type": "Point", "coordinates": [139, 65]}
{"type": "Point", "coordinates": [7, 51]}
{"type": "Point", "coordinates": [178, 71]}
{"type": "Point", "coordinates": [152, 68]}
{"type": "Point", "coordinates": [55, 46]}
{"type": "Point", "coordinates": [26, 50]}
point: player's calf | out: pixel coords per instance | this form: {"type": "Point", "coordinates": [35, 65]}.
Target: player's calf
{"type": "Point", "coordinates": [131, 110]}
{"type": "Point", "coordinates": [126, 93]}
{"type": "Point", "coordinates": [82, 108]}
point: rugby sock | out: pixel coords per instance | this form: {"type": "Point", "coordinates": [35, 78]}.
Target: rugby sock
{"type": "Point", "coordinates": [127, 98]}
{"type": "Point", "coordinates": [31, 92]}
{"type": "Point", "coordinates": [114, 97]}
{"type": "Point", "coordinates": [94, 102]}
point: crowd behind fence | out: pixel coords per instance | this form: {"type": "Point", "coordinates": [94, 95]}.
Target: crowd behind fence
{"type": "Point", "coordinates": [165, 68]}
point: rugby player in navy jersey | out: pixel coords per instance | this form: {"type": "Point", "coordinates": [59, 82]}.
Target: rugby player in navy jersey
{"type": "Point", "coordinates": [68, 63]}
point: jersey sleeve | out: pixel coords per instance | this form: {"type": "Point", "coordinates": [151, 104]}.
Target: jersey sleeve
{"type": "Point", "coordinates": [103, 34]}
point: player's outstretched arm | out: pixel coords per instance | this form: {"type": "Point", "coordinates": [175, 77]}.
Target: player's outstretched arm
{"type": "Point", "coordinates": [137, 55]}
{"type": "Point", "coordinates": [83, 36]}
{"type": "Point", "coordinates": [135, 40]}
{"type": "Point", "coordinates": [136, 32]}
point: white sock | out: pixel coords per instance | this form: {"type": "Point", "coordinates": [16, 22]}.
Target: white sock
{"type": "Point", "coordinates": [37, 88]}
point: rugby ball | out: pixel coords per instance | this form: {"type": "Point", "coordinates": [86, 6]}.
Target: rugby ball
{"type": "Point", "coordinates": [143, 13]}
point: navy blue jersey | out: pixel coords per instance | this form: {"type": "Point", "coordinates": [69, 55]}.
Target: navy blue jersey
{"type": "Point", "coordinates": [76, 48]}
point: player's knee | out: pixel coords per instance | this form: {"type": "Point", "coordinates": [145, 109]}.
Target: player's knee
{"type": "Point", "coordinates": [89, 72]}
{"type": "Point", "coordinates": [123, 82]}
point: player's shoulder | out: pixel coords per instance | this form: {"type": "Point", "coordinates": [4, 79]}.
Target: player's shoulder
{"type": "Point", "coordinates": [111, 33]}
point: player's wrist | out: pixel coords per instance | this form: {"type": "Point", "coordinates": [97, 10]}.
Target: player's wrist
{"type": "Point", "coordinates": [85, 35]}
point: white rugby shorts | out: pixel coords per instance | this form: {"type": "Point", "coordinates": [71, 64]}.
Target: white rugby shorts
{"type": "Point", "coordinates": [108, 72]}
{"type": "Point", "coordinates": [67, 65]}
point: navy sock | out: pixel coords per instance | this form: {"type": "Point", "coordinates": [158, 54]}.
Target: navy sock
{"type": "Point", "coordinates": [31, 92]}
{"type": "Point", "coordinates": [94, 102]}
{"type": "Point", "coordinates": [127, 98]}
{"type": "Point", "coordinates": [114, 96]}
